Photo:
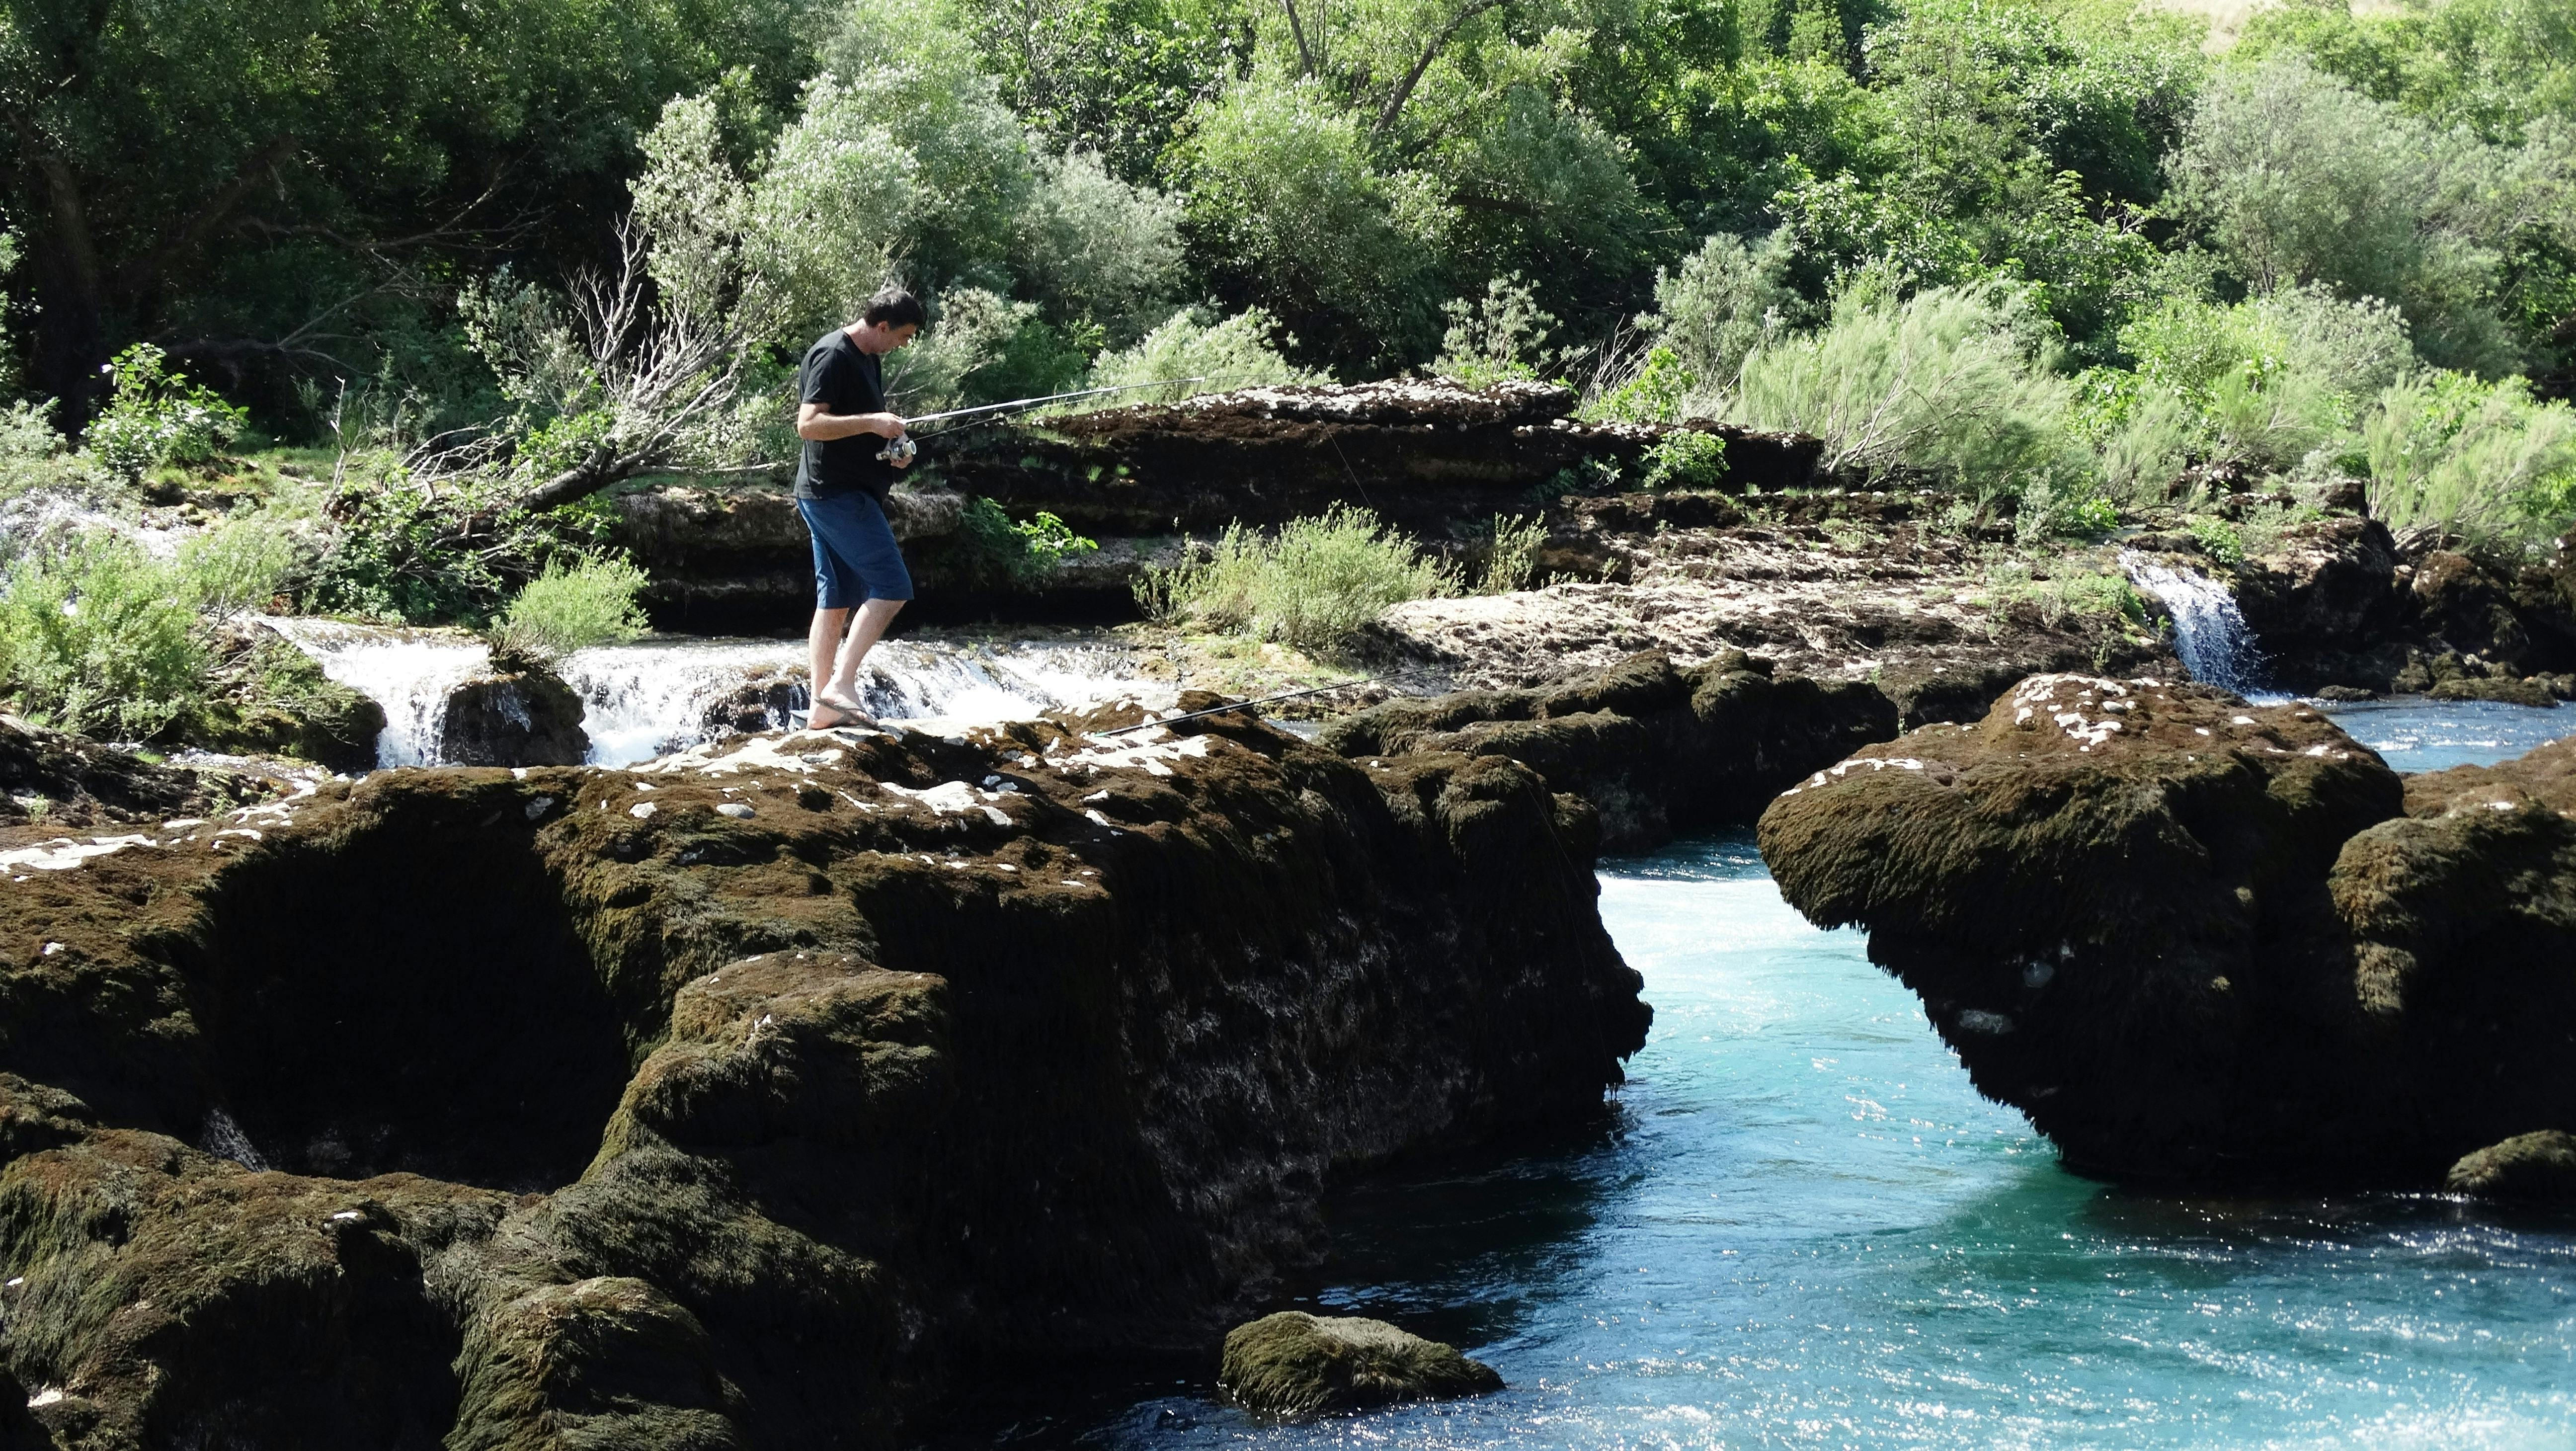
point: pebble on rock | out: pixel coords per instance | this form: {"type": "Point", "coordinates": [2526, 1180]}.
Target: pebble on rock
{"type": "Point", "coordinates": [1295, 1364]}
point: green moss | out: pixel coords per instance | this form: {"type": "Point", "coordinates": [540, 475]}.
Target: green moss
{"type": "Point", "coordinates": [1295, 1364]}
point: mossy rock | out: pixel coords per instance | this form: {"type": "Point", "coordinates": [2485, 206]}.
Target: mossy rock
{"type": "Point", "coordinates": [267, 698]}
{"type": "Point", "coordinates": [1295, 1364]}
{"type": "Point", "coordinates": [2526, 1166]}
{"type": "Point", "coordinates": [2505, 688]}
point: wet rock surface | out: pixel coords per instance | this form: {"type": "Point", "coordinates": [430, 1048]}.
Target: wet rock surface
{"type": "Point", "coordinates": [2537, 1166]}
{"type": "Point", "coordinates": [756, 1096]}
{"type": "Point", "coordinates": [1293, 1364]}
{"type": "Point", "coordinates": [2195, 938]}
{"type": "Point", "coordinates": [1655, 749]}
{"type": "Point", "coordinates": [521, 714]}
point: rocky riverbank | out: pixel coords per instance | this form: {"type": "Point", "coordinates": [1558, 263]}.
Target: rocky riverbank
{"type": "Point", "coordinates": [2192, 938]}
{"type": "Point", "coordinates": [757, 1097]}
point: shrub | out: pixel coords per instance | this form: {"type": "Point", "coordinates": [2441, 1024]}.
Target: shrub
{"type": "Point", "coordinates": [998, 552]}
{"type": "Point", "coordinates": [1232, 353]}
{"type": "Point", "coordinates": [405, 552]}
{"type": "Point", "coordinates": [2219, 540]}
{"type": "Point", "coordinates": [1941, 384]}
{"type": "Point", "coordinates": [97, 637]}
{"type": "Point", "coordinates": [1514, 563]}
{"type": "Point", "coordinates": [1313, 585]}
{"type": "Point", "coordinates": [1685, 459]}
{"type": "Point", "coordinates": [1658, 392]}
{"type": "Point", "coordinates": [591, 602]}
{"type": "Point", "coordinates": [1499, 338]}
{"type": "Point", "coordinates": [240, 566]}
{"type": "Point", "coordinates": [155, 418]}
{"type": "Point", "coordinates": [1726, 300]}
{"type": "Point", "coordinates": [2482, 464]}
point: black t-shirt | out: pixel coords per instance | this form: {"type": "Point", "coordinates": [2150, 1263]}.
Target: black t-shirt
{"type": "Point", "coordinates": [844, 380]}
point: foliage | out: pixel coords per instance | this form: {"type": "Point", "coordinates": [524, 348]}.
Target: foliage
{"type": "Point", "coordinates": [2454, 459]}
{"type": "Point", "coordinates": [154, 417]}
{"type": "Point", "coordinates": [1513, 563]}
{"type": "Point", "coordinates": [95, 636]}
{"type": "Point", "coordinates": [418, 555]}
{"type": "Point", "coordinates": [2219, 540]}
{"type": "Point", "coordinates": [1726, 300]}
{"type": "Point", "coordinates": [1236, 352]}
{"type": "Point", "coordinates": [2300, 179]}
{"type": "Point", "coordinates": [1685, 459]}
{"type": "Point", "coordinates": [568, 608]}
{"type": "Point", "coordinates": [1947, 385]}
{"type": "Point", "coordinates": [999, 552]}
{"type": "Point", "coordinates": [242, 565]}
{"type": "Point", "coordinates": [1498, 338]}
{"type": "Point", "coordinates": [1313, 585]}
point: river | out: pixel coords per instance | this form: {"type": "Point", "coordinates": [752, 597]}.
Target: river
{"type": "Point", "coordinates": [1802, 1227]}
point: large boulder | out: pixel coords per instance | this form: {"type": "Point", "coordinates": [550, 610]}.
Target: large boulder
{"type": "Point", "coordinates": [265, 697]}
{"type": "Point", "coordinates": [2193, 937]}
{"type": "Point", "coordinates": [2540, 1166]}
{"type": "Point", "coordinates": [754, 1095]}
{"type": "Point", "coordinates": [1656, 749]}
{"type": "Point", "coordinates": [1295, 1364]}
{"type": "Point", "coordinates": [521, 713]}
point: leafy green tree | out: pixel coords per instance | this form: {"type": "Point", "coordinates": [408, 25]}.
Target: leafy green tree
{"type": "Point", "coordinates": [157, 147]}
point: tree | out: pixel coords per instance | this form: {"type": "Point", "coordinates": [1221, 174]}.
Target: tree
{"type": "Point", "coordinates": [152, 145]}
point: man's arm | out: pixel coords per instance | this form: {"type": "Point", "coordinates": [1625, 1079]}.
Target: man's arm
{"type": "Point", "coordinates": [816, 424]}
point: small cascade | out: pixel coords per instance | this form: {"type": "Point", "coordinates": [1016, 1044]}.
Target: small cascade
{"type": "Point", "coordinates": [2210, 633]}
{"type": "Point", "coordinates": [655, 697]}
{"type": "Point", "coordinates": [408, 672]}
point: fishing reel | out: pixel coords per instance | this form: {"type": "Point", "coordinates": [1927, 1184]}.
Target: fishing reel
{"type": "Point", "coordinates": [899, 452]}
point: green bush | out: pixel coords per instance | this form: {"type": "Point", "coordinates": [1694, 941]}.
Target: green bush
{"type": "Point", "coordinates": [154, 417]}
{"type": "Point", "coordinates": [1313, 585]}
{"type": "Point", "coordinates": [1944, 385]}
{"type": "Point", "coordinates": [1499, 338]}
{"type": "Point", "coordinates": [2219, 540]}
{"type": "Point", "coordinates": [1685, 459]}
{"type": "Point", "coordinates": [2480, 464]}
{"type": "Point", "coordinates": [1513, 565]}
{"type": "Point", "coordinates": [1236, 352]}
{"type": "Point", "coordinates": [97, 637]}
{"type": "Point", "coordinates": [240, 566]}
{"type": "Point", "coordinates": [997, 553]}
{"type": "Point", "coordinates": [591, 602]}
{"type": "Point", "coordinates": [447, 556]}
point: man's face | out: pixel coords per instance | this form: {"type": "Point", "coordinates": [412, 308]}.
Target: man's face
{"type": "Point", "coordinates": [876, 337]}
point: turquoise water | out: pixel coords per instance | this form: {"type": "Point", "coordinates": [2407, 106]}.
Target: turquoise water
{"type": "Point", "coordinates": [2432, 735]}
{"type": "Point", "coordinates": [1803, 1228]}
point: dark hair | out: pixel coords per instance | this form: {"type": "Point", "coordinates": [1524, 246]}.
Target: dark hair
{"type": "Point", "coordinates": [894, 307]}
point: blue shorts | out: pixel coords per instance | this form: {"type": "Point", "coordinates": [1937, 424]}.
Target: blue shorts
{"type": "Point", "coordinates": [855, 556]}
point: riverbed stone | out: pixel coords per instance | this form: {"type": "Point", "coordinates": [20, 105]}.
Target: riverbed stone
{"type": "Point", "coordinates": [2195, 938]}
{"type": "Point", "coordinates": [472, 1106]}
{"type": "Point", "coordinates": [1296, 1364]}
{"type": "Point", "coordinates": [2536, 1166]}
{"type": "Point", "coordinates": [519, 714]}
{"type": "Point", "coordinates": [1656, 749]}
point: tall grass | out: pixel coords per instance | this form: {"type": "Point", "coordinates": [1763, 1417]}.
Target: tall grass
{"type": "Point", "coordinates": [1312, 585]}
{"type": "Point", "coordinates": [1941, 385]}
{"type": "Point", "coordinates": [97, 637]}
{"type": "Point", "coordinates": [2455, 460]}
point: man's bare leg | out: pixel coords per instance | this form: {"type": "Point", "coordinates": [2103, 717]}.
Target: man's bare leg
{"type": "Point", "coordinates": [865, 631]}
{"type": "Point", "coordinates": [822, 643]}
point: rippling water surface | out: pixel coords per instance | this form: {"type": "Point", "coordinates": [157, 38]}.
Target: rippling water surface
{"type": "Point", "coordinates": [2432, 735]}
{"type": "Point", "coordinates": [1806, 1229]}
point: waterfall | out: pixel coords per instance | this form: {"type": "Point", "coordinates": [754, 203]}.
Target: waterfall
{"type": "Point", "coordinates": [649, 699]}
{"type": "Point", "coordinates": [2210, 633]}
{"type": "Point", "coordinates": [408, 672]}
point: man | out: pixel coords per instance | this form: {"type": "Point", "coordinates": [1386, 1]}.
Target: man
{"type": "Point", "coordinates": [841, 486]}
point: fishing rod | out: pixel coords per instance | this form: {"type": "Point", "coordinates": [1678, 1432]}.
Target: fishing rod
{"type": "Point", "coordinates": [901, 451]}
{"type": "Point", "coordinates": [1248, 704]}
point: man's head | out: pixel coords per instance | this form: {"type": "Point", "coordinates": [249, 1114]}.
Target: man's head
{"type": "Point", "coordinates": [891, 319]}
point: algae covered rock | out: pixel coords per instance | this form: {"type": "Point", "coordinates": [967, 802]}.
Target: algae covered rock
{"type": "Point", "coordinates": [520, 714]}
{"type": "Point", "coordinates": [2193, 937]}
{"type": "Point", "coordinates": [759, 1088]}
{"type": "Point", "coordinates": [1655, 749]}
{"type": "Point", "coordinates": [2527, 1166]}
{"type": "Point", "coordinates": [267, 697]}
{"type": "Point", "coordinates": [1295, 1364]}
